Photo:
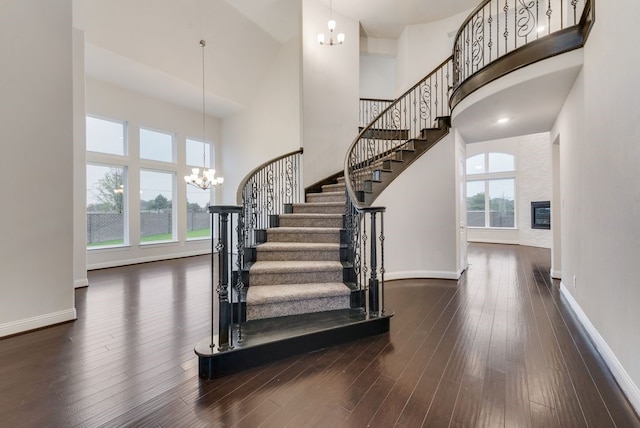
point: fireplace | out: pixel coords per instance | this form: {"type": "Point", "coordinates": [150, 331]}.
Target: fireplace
{"type": "Point", "coordinates": [541, 215]}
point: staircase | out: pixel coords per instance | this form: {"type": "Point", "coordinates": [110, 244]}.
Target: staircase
{"type": "Point", "coordinates": [298, 269]}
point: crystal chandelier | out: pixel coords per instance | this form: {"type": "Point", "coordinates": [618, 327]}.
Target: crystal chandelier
{"type": "Point", "coordinates": [207, 179]}
{"type": "Point", "coordinates": [332, 26]}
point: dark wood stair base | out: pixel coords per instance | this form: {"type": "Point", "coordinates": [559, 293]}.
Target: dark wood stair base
{"type": "Point", "coordinates": [268, 340]}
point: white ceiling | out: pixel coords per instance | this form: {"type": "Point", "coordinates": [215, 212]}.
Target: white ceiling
{"type": "Point", "coordinates": [151, 46]}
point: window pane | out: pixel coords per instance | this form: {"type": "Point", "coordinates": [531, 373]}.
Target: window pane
{"type": "Point", "coordinates": [195, 153]}
{"type": "Point", "coordinates": [198, 218]}
{"type": "Point", "coordinates": [500, 162]}
{"type": "Point", "coordinates": [475, 164]}
{"type": "Point", "coordinates": [475, 204]}
{"type": "Point", "coordinates": [105, 136]}
{"type": "Point", "coordinates": [156, 211]}
{"type": "Point", "coordinates": [501, 202]}
{"type": "Point", "coordinates": [106, 193]}
{"type": "Point", "coordinates": [156, 146]}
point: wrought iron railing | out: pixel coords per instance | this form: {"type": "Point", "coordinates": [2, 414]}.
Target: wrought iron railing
{"type": "Point", "coordinates": [266, 191]}
{"type": "Point", "coordinates": [370, 108]}
{"type": "Point", "coordinates": [403, 120]}
{"type": "Point", "coordinates": [498, 27]}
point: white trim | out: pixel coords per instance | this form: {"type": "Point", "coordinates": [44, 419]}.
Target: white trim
{"type": "Point", "coordinates": [39, 321]}
{"type": "Point", "coordinates": [79, 283]}
{"type": "Point", "coordinates": [432, 274]}
{"type": "Point", "coordinates": [627, 385]}
{"type": "Point", "coordinates": [156, 258]}
{"type": "Point", "coordinates": [495, 241]}
{"type": "Point", "coordinates": [555, 274]}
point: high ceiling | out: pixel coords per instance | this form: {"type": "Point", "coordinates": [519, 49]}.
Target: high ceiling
{"type": "Point", "coordinates": [151, 46]}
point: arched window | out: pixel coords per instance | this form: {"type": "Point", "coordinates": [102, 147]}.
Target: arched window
{"type": "Point", "coordinates": [491, 196]}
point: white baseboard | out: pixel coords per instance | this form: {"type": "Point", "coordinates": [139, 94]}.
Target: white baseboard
{"type": "Point", "coordinates": [555, 274]}
{"type": "Point", "coordinates": [494, 241]}
{"type": "Point", "coordinates": [79, 283]}
{"type": "Point", "coordinates": [627, 385]}
{"type": "Point", "coordinates": [155, 258]}
{"type": "Point", "coordinates": [412, 274]}
{"type": "Point", "coordinates": [37, 322]}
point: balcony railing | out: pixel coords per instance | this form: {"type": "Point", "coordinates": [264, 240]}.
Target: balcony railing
{"type": "Point", "coordinates": [501, 36]}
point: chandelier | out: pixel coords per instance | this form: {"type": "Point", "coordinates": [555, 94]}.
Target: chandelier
{"type": "Point", "coordinates": [332, 26]}
{"type": "Point", "coordinates": [207, 179]}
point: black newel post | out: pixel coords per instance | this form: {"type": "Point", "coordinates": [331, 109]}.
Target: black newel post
{"type": "Point", "coordinates": [223, 285]}
{"type": "Point", "coordinates": [374, 306]}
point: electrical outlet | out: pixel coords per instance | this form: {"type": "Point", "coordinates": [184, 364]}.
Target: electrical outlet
{"type": "Point", "coordinates": [574, 281]}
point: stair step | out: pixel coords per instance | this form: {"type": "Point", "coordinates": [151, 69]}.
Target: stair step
{"type": "Point", "coordinates": [294, 299]}
{"type": "Point", "coordinates": [294, 272]}
{"type": "Point", "coordinates": [297, 251]}
{"type": "Point", "coordinates": [319, 208]}
{"type": "Point", "coordinates": [304, 234]}
{"type": "Point", "coordinates": [326, 197]}
{"type": "Point", "coordinates": [311, 220]}
{"type": "Point", "coordinates": [334, 187]}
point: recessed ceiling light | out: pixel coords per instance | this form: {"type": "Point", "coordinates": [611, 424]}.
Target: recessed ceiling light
{"type": "Point", "coordinates": [503, 120]}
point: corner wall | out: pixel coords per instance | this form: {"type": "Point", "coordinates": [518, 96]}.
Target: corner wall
{"type": "Point", "coordinates": [599, 130]}
{"type": "Point", "coordinates": [330, 82]}
{"type": "Point", "coordinates": [420, 224]}
{"type": "Point", "coordinates": [269, 127]}
{"type": "Point", "coordinates": [36, 118]}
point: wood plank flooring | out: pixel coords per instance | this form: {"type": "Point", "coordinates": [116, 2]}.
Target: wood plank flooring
{"type": "Point", "coordinates": [499, 348]}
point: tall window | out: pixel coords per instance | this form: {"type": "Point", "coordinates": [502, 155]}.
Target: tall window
{"type": "Point", "coordinates": [106, 197]}
{"type": "Point", "coordinates": [491, 190]}
{"type": "Point", "coordinates": [198, 201]}
{"type": "Point", "coordinates": [106, 183]}
{"type": "Point", "coordinates": [156, 206]}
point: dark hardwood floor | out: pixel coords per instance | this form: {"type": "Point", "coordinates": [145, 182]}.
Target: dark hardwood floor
{"type": "Point", "coordinates": [497, 349]}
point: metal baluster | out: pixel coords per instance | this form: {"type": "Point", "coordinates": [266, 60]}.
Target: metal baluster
{"type": "Point", "coordinates": [382, 261]}
{"type": "Point", "coordinates": [223, 296]}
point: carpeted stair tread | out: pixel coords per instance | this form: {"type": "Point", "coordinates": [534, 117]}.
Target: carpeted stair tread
{"type": "Point", "coordinates": [326, 197]}
{"type": "Point", "coordinates": [319, 207]}
{"type": "Point", "coordinates": [294, 266]}
{"type": "Point", "coordinates": [334, 187]}
{"type": "Point", "coordinates": [292, 251]}
{"type": "Point", "coordinates": [295, 292]}
{"type": "Point", "coordinates": [311, 220]}
{"type": "Point", "coordinates": [294, 299]}
{"type": "Point", "coordinates": [296, 246]}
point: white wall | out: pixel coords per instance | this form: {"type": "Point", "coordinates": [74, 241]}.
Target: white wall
{"type": "Point", "coordinates": [421, 227]}
{"type": "Point", "coordinates": [599, 130]}
{"type": "Point", "coordinates": [79, 161]}
{"type": "Point", "coordinates": [330, 92]}
{"type": "Point", "coordinates": [112, 102]}
{"type": "Point", "coordinates": [422, 47]}
{"type": "Point", "coordinates": [36, 118]}
{"type": "Point", "coordinates": [270, 126]}
{"type": "Point", "coordinates": [377, 76]}
{"type": "Point", "coordinates": [533, 183]}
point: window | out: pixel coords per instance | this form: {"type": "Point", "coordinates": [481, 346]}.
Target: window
{"type": "Point", "coordinates": [156, 206]}
{"type": "Point", "coordinates": [106, 201]}
{"type": "Point", "coordinates": [156, 146]}
{"type": "Point", "coordinates": [195, 152]}
{"type": "Point", "coordinates": [491, 190]}
{"type": "Point", "coordinates": [198, 201]}
{"type": "Point", "coordinates": [198, 218]}
{"type": "Point", "coordinates": [105, 136]}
